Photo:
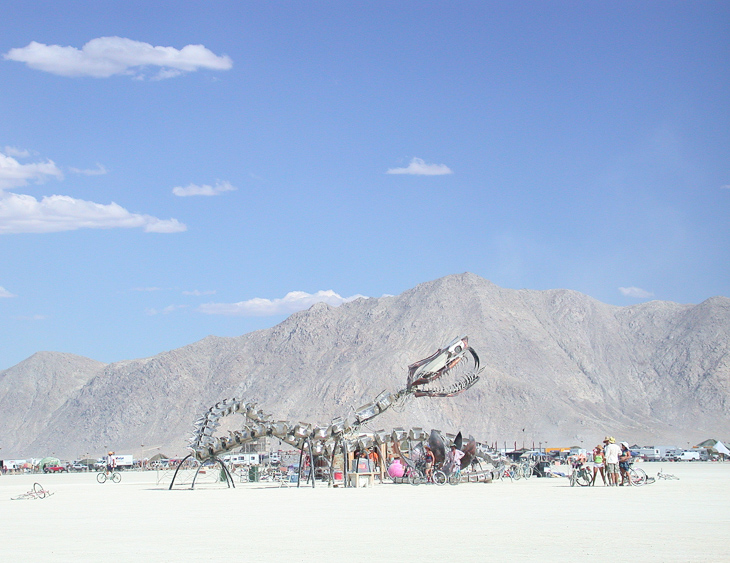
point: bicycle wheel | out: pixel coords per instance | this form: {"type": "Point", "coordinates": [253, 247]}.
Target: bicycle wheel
{"type": "Point", "coordinates": [516, 472]}
{"type": "Point", "coordinates": [528, 471]}
{"type": "Point", "coordinates": [38, 490]}
{"type": "Point", "coordinates": [101, 477]}
{"type": "Point", "coordinates": [637, 477]}
{"type": "Point", "coordinates": [455, 478]}
{"type": "Point", "coordinates": [583, 478]}
{"type": "Point", "coordinates": [439, 477]}
{"type": "Point", "coordinates": [116, 477]}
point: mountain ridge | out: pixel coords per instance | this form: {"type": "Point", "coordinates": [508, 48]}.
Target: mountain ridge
{"type": "Point", "coordinates": [560, 368]}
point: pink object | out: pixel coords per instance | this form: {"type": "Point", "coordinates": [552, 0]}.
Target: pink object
{"type": "Point", "coordinates": [396, 469]}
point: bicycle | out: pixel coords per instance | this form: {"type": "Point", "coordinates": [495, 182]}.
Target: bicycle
{"type": "Point", "coordinates": [37, 492]}
{"type": "Point", "coordinates": [666, 476]}
{"type": "Point", "coordinates": [637, 476]}
{"type": "Point", "coordinates": [103, 476]}
{"type": "Point", "coordinates": [527, 468]}
{"type": "Point", "coordinates": [417, 473]}
{"type": "Point", "coordinates": [445, 475]}
{"type": "Point", "coordinates": [581, 475]}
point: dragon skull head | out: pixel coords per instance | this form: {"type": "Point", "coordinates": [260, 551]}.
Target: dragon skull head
{"type": "Point", "coordinates": [456, 362]}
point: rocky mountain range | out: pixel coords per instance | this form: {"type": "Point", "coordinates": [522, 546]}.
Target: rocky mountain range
{"type": "Point", "coordinates": [560, 369]}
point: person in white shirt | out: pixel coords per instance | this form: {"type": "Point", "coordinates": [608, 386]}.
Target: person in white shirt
{"type": "Point", "coordinates": [453, 459]}
{"type": "Point", "coordinates": [612, 452]}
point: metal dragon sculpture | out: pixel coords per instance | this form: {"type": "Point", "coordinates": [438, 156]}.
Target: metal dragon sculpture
{"type": "Point", "coordinates": [426, 378]}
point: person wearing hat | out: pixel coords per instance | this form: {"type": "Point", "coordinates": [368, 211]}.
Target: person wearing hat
{"type": "Point", "coordinates": [612, 451]}
{"type": "Point", "coordinates": [598, 465]}
{"type": "Point", "coordinates": [624, 463]}
{"type": "Point", "coordinates": [453, 459]}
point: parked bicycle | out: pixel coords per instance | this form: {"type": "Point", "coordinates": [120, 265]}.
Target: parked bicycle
{"type": "Point", "coordinates": [666, 476]}
{"type": "Point", "coordinates": [103, 476]}
{"type": "Point", "coordinates": [443, 476]}
{"type": "Point", "coordinates": [637, 476]}
{"type": "Point", "coordinates": [580, 475]}
{"type": "Point", "coordinates": [37, 492]}
{"type": "Point", "coordinates": [416, 474]}
{"type": "Point", "coordinates": [511, 472]}
{"type": "Point", "coordinates": [527, 468]}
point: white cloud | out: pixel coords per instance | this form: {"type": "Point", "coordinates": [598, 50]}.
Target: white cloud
{"type": "Point", "coordinates": [16, 152]}
{"type": "Point", "coordinates": [193, 189]}
{"type": "Point", "coordinates": [13, 174]}
{"type": "Point", "coordinates": [725, 187]}
{"type": "Point", "coordinates": [197, 292]}
{"type": "Point", "coordinates": [290, 303]}
{"type": "Point", "coordinates": [25, 214]}
{"type": "Point", "coordinates": [106, 56]}
{"type": "Point", "coordinates": [636, 292]}
{"type": "Point", "coordinates": [166, 311]}
{"type": "Point", "coordinates": [100, 170]}
{"type": "Point", "coordinates": [5, 293]}
{"type": "Point", "coordinates": [420, 168]}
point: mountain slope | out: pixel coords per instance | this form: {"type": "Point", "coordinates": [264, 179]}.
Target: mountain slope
{"type": "Point", "coordinates": [560, 368]}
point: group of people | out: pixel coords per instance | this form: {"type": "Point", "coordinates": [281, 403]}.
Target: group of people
{"type": "Point", "coordinates": [612, 462]}
{"type": "Point", "coordinates": [396, 468]}
{"type": "Point", "coordinates": [451, 463]}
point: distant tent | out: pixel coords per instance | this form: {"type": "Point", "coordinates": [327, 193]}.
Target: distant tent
{"type": "Point", "coordinates": [46, 461]}
{"type": "Point", "coordinates": [715, 446]}
{"type": "Point", "coordinates": [158, 457]}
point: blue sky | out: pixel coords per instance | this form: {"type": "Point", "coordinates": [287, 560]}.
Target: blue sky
{"type": "Point", "coordinates": [174, 170]}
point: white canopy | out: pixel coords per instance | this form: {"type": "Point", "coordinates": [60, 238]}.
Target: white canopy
{"type": "Point", "coordinates": [720, 448]}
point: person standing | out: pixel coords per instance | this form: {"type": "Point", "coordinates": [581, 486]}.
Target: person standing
{"type": "Point", "coordinates": [612, 451]}
{"type": "Point", "coordinates": [430, 460]}
{"type": "Point", "coordinates": [453, 459]}
{"type": "Point", "coordinates": [598, 465]}
{"type": "Point", "coordinates": [624, 463]}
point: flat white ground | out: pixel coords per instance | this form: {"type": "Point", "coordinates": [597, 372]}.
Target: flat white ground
{"type": "Point", "coordinates": [536, 520]}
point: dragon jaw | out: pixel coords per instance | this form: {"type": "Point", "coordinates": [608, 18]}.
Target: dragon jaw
{"type": "Point", "coordinates": [456, 360]}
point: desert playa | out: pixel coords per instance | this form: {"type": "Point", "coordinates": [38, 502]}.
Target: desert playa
{"type": "Point", "coordinates": [540, 519]}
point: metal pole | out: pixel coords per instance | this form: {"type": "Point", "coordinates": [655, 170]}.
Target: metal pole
{"type": "Point", "coordinates": [332, 462]}
{"type": "Point", "coordinates": [178, 469]}
{"type": "Point", "coordinates": [301, 455]}
{"type": "Point", "coordinates": [311, 461]}
{"type": "Point", "coordinates": [345, 462]}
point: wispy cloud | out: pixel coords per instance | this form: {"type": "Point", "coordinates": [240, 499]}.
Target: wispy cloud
{"type": "Point", "coordinates": [98, 171]}
{"type": "Point", "coordinates": [5, 293]}
{"type": "Point", "coordinates": [16, 152]}
{"type": "Point", "coordinates": [56, 213]}
{"type": "Point", "coordinates": [419, 167]}
{"type": "Point", "coordinates": [206, 190]}
{"type": "Point", "coordinates": [31, 318]}
{"type": "Point", "coordinates": [197, 292]}
{"type": "Point", "coordinates": [147, 289]}
{"type": "Point", "coordinates": [725, 187]}
{"type": "Point", "coordinates": [13, 174]}
{"type": "Point", "coordinates": [166, 311]}
{"type": "Point", "coordinates": [107, 56]}
{"type": "Point", "coordinates": [290, 303]}
{"type": "Point", "coordinates": [636, 292]}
